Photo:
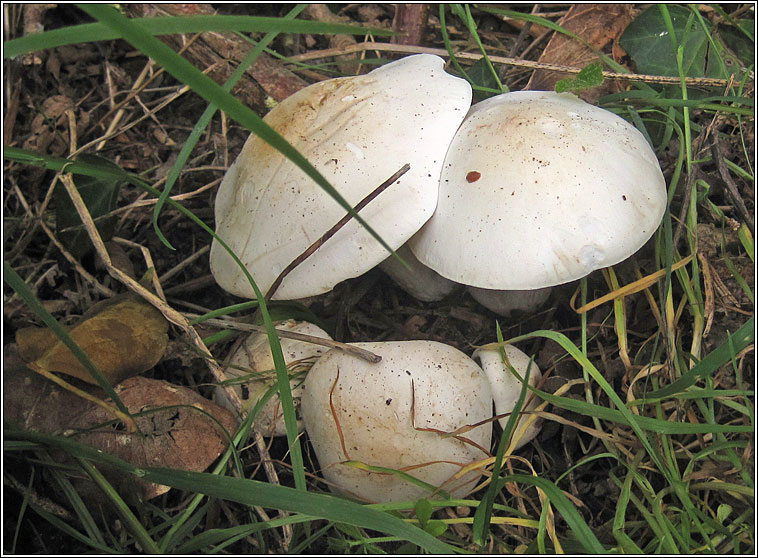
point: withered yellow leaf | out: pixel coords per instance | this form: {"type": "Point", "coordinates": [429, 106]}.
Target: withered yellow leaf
{"type": "Point", "coordinates": [34, 341]}
{"type": "Point", "coordinates": [123, 339]}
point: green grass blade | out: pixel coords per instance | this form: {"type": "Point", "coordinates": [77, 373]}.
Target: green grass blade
{"type": "Point", "coordinates": [17, 284]}
{"type": "Point", "coordinates": [576, 522]}
{"type": "Point", "coordinates": [464, 13]}
{"type": "Point", "coordinates": [204, 86]}
{"type": "Point", "coordinates": [253, 493]}
{"type": "Point", "coordinates": [65, 528]}
{"type": "Point", "coordinates": [209, 90]}
{"type": "Point", "coordinates": [632, 419]}
{"type": "Point", "coordinates": [483, 512]}
{"type": "Point", "coordinates": [58, 163]}
{"type": "Point", "coordinates": [76, 503]}
{"type": "Point", "coordinates": [22, 512]}
{"type": "Point", "coordinates": [650, 424]}
{"type": "Point", "coordinates": [205, 119]}
{"type": "Point", "coordinates": [212, 537]}
{"type": "Point", "coordinates": [355, 464]}
{"type": "Point", "coordinates": [740, 339]}
{"type": "Point", "coordinates": [329, 507]}
{"type": "Point", "coordinates": [168, 25]}
{"type": "Point", "coordinates": [126, 515]}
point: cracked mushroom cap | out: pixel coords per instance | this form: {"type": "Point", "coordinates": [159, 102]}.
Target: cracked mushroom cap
{"type": "Point", "coordinates": [355, 410]}
{"type": "Point", "coordinates": [552, 187]}
{"type": "Point", "coordinates": [357, 131]}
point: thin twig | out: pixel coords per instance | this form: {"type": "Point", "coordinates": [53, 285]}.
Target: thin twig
{"type": "Point", "coordinates": [731, 187]}
{"type": "Point", "coordinates": [334, 415]}
{"type": "Point", "coordinates": [411, 49]}
{"type": "Point", "coordinates": [37, 500]}
{"type": "Point", "coordinates": [349, 349]}
{"type": "Point", "coordinates": [692, 172]}
{"type": "Point", "coordinates": [332, 231]}
{"type": "Point", "coordinates": [184, 263]}
{"type": "Point", "coordinates": [102, 289]}
{"type": "Point", "coordinates": [168, 312]}
{"type": "Point", "coordinates": [521, 38]}
{"type": "Point", "coordinates": [273, 478]}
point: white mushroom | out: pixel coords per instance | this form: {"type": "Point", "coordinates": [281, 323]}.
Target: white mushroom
{"type": "Point", "coordinates": [417, 280]}
{"type": "Point", "coordinates": [506, 388]}
{"type": "Point", "coordinates": [357, 131]}
{"type": "Point", "coordinates": [253, 358]}
{"type": "Point", "coordinates": [354, 410]}
{"type": "Point", "coordinates": [539, 189]}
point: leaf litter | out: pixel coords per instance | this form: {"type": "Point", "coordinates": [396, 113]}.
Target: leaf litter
{"type": "Point", "coordinates": [123, 337]}
{"type": "Point", "coordinates": [177, 427]}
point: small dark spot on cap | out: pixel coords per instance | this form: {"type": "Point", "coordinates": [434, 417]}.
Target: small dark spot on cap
{"type": "Point", "coordinates": [623, 198]}
{"type": "Point", "coordinates": [473, 176]}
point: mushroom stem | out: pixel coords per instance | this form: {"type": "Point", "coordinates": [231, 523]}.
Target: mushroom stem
{"type": "Point", "coordinates": [507, 302]}
{"type": "Point", "coordinates": [419, 281]}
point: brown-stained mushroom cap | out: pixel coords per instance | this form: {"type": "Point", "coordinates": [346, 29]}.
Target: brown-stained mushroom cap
{"type": "Point", "coordinates": [357, 131]}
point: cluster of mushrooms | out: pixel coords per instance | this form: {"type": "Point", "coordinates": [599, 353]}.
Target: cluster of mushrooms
{"type": "Point", "coordinates": [510, 196]}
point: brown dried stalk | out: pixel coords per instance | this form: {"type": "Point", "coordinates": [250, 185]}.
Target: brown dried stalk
{"type": "Point", "coordinates": [410, 49]}
{"type": "Point", "coordinates": [334, 416]}
{"type": "Point", "coordinates": [350, 349]}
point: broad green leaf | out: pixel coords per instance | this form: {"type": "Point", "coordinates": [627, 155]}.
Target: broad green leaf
{"type": "Point", "coordinates": [423, 511]}
{"type": "Point", "coordinates": [723, 512]}
{"type": "Point", "coordinates": [482, 79]}
{"type": "Point", "coordinates": [436, 527]}
{"type": "Point", "coordinates": [648, 43]}
{"type": "Point", "coordinates": [590, 76]}
{"type": "Point", "coordinates": [738, 42]}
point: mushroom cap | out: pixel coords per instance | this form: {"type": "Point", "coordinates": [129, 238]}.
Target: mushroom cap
{"type": "Point", "coordinates": [253, 357]}
{"type": "Point", "coordinates": [506, 388]}
{"type": "Point", "coordinates": [357, 131]}
{"type": "Point", "coordinates": [539, 189]}
{"type": "Point", "coordinates": [372, 403]}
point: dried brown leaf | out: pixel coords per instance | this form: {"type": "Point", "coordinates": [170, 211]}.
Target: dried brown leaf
{"type": "Point", "coordinates": [34, 403]}
{"type": "Point", "coordinates": [125, 337]}
{"type": "Point", "coordinates": [175, 430]}
{"type": "Point", "coordinates": [182, 435]}
{"type": "Point", "coordinates": [598, 25]}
